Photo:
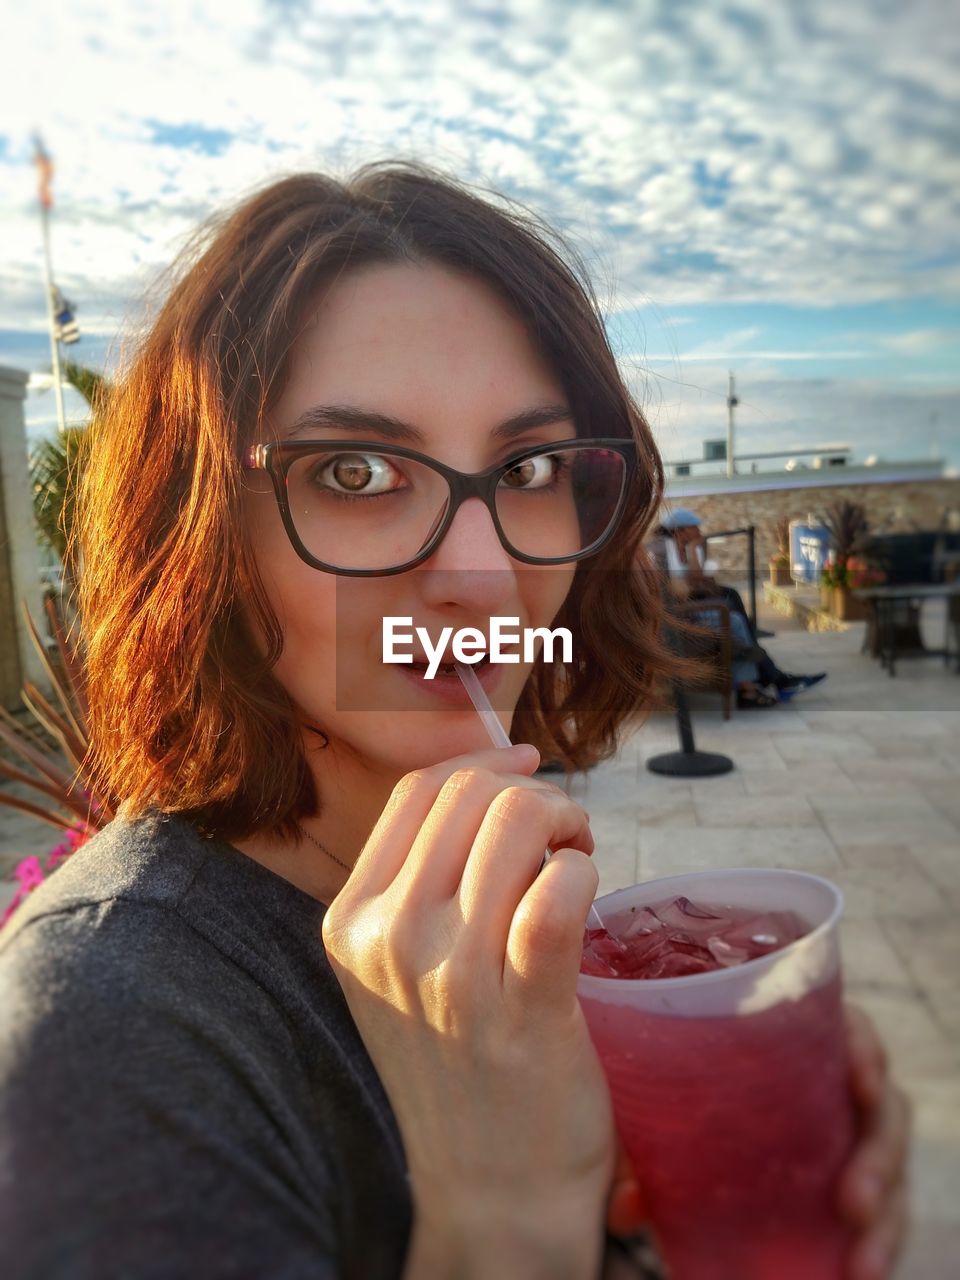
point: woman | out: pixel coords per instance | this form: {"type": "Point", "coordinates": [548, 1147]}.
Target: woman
{"type": "Point", "coordinates": [195, 1083]}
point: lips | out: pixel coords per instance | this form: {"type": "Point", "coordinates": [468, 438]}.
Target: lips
{"type": "Point", "coordinates": [446, 688]}
{"type": "Point", "coordinates": [448, 668]}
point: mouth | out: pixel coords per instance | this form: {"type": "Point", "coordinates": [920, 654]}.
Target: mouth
{"type": "Point", "coordinates": [448, 668]}
{"type": "Point", "coordinates": [445, 689]}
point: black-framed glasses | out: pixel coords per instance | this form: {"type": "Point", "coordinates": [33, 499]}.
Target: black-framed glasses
{"type": "Point", "coordinates": [365, 509]}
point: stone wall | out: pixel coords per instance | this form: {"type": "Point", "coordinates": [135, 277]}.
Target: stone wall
{"type": "Point", "coordinates": [899, 506]}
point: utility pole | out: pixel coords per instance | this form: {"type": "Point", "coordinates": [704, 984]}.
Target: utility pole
{"type": "Point", "coordinates": [732, 403]}
{"type": "Point", "coordinates": [45, 175]}
{"type": "Point", "coordinates": [52, 320]}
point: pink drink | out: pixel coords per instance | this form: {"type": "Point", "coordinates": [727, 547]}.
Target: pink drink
{"type": "Point", "coordinates": [677, 938]}
{"type": "Point", "coordinates": [726, 1064]}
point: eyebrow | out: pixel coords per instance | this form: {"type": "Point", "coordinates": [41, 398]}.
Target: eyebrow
{"type": "Point", "coordinates": [349, 418]}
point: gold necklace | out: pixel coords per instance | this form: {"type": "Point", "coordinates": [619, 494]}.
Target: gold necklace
{"type": "Point", "coordinates": [323, 848]}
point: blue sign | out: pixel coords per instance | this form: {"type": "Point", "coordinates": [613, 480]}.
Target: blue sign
{"type": "Point", "coordinates": [809, 546]}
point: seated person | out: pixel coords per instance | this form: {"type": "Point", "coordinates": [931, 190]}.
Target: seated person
{"type": "Point", "coordinates": [679, 550]}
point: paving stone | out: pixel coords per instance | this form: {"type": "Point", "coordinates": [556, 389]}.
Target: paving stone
{"type": "Point", "coordinates": [885, 819]}
{"type": "Point", "coordinates": [870, 960]}
{"type": "Point", "coordinates": [930, 950]}
{"type": "Point", "coordinates": [672, 850]}
{"type": "Point", "coordinates": [936, 1157]}
{"type": "Point", "coordinates": [941, 862]}
{"type": "Point", "coordinates": [916, 1043]}
{"type": "Point", "coordinates": [881, 893]}
{"type": "Point", "coordinates": [806, 778]}
{"type": "Point", "coordinates": [756, 811]}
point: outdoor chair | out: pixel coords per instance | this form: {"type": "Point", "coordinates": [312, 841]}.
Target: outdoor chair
{"type": "Point", "coordinates": [711, 646]}
{"type": "Point", "coordinates": [711, 649]}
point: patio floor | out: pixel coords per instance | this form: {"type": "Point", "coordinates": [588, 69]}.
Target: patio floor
{"type": "Point", "coordinates": [859, 780]}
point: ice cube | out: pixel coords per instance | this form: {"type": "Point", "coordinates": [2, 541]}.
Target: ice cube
{"type": "Point", "coordinates": [644, 921]}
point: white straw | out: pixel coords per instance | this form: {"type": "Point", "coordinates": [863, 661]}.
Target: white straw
{"type": "Point", "coordinates": [498, 736]}
{"type": "Point", "coordinates": [478, 696]}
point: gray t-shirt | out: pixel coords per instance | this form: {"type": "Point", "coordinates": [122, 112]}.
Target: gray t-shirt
{"type": "Point", "coordinates": [183, 1092]}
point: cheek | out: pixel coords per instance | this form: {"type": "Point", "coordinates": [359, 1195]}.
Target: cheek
{"type": "Point", "coordinates": [546, 590]}
{"type": "Point", "coordinates": [302, 598]}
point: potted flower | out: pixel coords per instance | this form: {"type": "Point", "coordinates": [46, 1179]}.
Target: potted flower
{"type": "Point", "coordinates": [49, 759]}
{"type": "Point", "coordinates": [837, 585]}
{"type": "Point", "coordinates": [844, 569]}
{"type": "Point", "coordinates": [780, 560]}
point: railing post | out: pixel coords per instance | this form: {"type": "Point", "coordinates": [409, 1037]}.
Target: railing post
{"type": "Point", "coordinates": [688, 762]}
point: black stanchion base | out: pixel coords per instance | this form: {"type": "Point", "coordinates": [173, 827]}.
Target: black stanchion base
{"type": "Point", "coordinates": [690, 764]}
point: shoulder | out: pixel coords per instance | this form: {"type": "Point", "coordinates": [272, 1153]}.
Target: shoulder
{"type": "Point", "coordinates": [136, 1055]}
{"type": "Point", "coordinates": [153, 859]}
{"type": "Point", "coordinates": [116, 943]}
{"type": "Point", "coordinates": [169, 1020]}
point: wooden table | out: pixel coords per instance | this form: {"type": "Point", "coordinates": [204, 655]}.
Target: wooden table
{"type": "Point", "coordinates": [884, 601]}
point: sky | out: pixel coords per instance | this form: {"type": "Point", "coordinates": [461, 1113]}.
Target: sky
{"type": "Point", "coordinates": [765, 186]}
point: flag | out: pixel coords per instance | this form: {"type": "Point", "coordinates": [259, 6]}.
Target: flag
{"type": "Point", "coordinates": [66, 329]}
{"type": "Point", "coordinates": [44, 165]}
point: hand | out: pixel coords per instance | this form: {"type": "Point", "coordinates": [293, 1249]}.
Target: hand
{"type": "Point", "coordinates": [873, 1193]}
{"type": "Point", "coordinates": [459, 963]}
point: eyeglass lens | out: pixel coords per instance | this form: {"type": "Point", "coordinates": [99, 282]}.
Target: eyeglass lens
{"type": "Point", "coordinates": [368, 510]}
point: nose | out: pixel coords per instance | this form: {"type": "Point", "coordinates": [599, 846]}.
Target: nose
{"type": "Point", "coordinates": [471, 567]}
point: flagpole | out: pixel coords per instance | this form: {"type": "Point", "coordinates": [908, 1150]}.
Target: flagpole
{"type": "Point", "coordinates": [51, 316]}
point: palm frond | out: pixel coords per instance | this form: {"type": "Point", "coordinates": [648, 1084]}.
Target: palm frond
{"type": "Point", "coordinates": [93, 386]}
{"type": "Point", "coordinates": [848, 527]}
{"type": "Point", "coordinates": [55, 465]}
{"type": "Point", "coordinates": [50, 758]}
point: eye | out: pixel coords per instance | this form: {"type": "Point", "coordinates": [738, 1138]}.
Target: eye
{"type": "Point", "coordinates": [532, 473]}
{"type": "Point", "coordinates": [360, 473]}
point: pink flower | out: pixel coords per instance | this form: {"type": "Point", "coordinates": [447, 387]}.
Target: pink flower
{"type": "Point", "coordinates": [71, 842]}
{"type": "Point", "coordinates": [29, 872]}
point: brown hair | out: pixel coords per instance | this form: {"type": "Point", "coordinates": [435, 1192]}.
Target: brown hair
{"type": "Point", "coordinates": [185, 713]}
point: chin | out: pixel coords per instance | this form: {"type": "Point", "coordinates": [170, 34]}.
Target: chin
{"type": "Point", "coordinates": [416, 741]}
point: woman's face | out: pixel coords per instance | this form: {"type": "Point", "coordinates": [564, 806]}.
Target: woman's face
{"type": "Point", "coordinates": [438, 351]}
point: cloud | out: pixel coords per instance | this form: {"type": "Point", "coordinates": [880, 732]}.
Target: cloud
{"type": "Point", "coordinates": [765, 150]}
{"type": "Point", "coordinates": [713, 353]}
{"type": "Point", "coordinates": [919, 341]}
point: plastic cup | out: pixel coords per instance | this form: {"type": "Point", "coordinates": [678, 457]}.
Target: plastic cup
{"type": "Point", "coordinates": [731, 1090]}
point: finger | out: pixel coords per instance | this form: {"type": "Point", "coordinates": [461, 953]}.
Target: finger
{"type": "Point", "coordinates": [545, 939]}
{"type": "Point", "coordinates": [507, 854]}
{"type": "Point", "coordinates": [386, 850]}
{"type": "Point", "coordinates": [626, 1209]}
{"type": "Point", "coordinates": [874, 1257]}
{"type": "Point", "coordinates": [877, 1166]}
{"type": "Point", "coordinates": [867, 1056]}
{"type": "Point", "coordinates": [506, 818]}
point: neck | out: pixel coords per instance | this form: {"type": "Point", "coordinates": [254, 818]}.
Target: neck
{"type": "Point", "coordinates": [351, 798]}
{"type": "Point", "coordinates": [352, 795]}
